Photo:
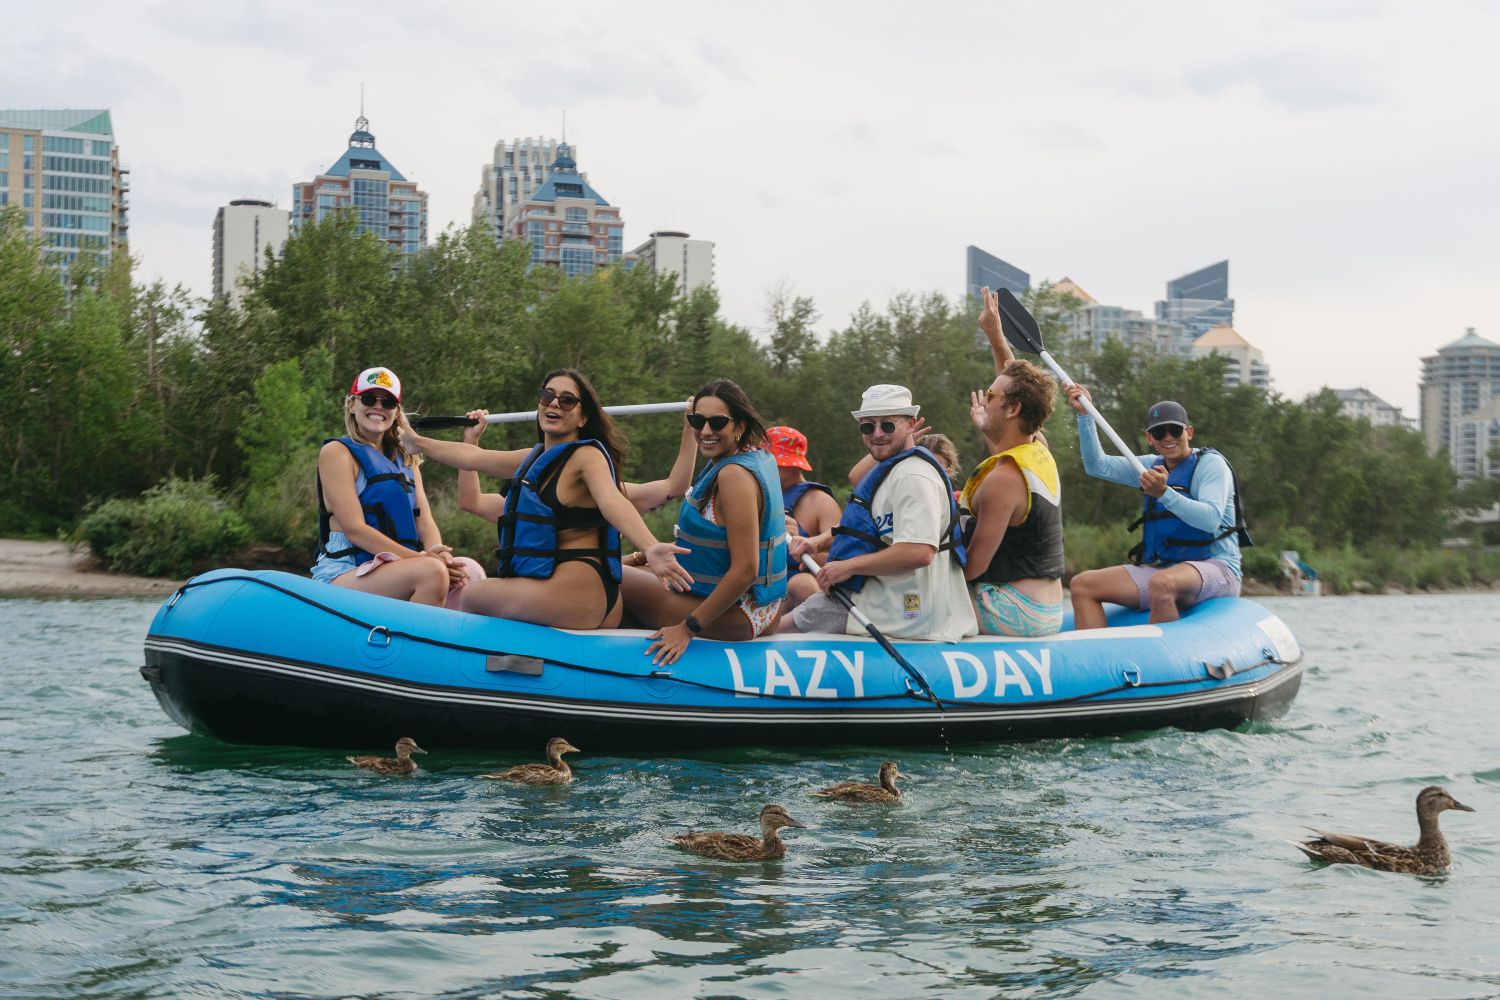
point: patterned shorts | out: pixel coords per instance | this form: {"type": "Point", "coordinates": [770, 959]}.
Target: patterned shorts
{"type": "Point", "coordinates": [1004, 610]}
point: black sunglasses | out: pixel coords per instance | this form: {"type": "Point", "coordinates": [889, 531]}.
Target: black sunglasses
{"type": "Point", "coordinates": [715, 424]}
{"type": "Point", "coordinates": [383, 400]}
{"type": "Point", "coordinates": [1165, 430]}
{"type": "Point", "coordinates": [565, 400]}
{"type": "Point", "coordinates": [886, 426]}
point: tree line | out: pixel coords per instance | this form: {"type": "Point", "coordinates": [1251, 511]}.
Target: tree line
{"type": "Point", "coordinates": [118, 390]}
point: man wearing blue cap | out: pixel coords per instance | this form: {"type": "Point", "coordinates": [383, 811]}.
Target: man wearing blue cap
{"type": "Point", "coordinates": [1193, 521]}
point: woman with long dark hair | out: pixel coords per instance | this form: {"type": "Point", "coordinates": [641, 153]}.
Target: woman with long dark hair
{"type": "Point", "coordinates": [564, 512]}
{"type": "Point", "coordinates": [732, 525]}
{"type": "Point", "coordinates": [375, 528]}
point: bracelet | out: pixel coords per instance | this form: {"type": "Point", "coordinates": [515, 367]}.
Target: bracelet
{"type": "Point", "coordinates": [692, 624]}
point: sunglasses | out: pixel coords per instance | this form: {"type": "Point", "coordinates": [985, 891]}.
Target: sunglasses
{"type": "Point", "coordinates": [565, 400]}
{"type": "Point", "coordinates": [886, 426]}
{"type": "Point", "coordinates": [383, 400]}
{"type": "Point", "coordinates": [697, 420]}
{"type": "Point", "coordinates": [1165, 430]}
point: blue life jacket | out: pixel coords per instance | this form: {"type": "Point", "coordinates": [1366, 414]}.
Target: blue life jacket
{"type": "Point", "coordinates": [857, 533]}
{"type": "Point", "coordinates": [389, 500]}
{"type": "Point", "coordinates": [1168, 539]}
{"type": "Point", "coordinates": [708, 559]}
{"type": "Point", "coordinates": [533, 516]}
{"type": "Point", "coordinates": [789, 500]}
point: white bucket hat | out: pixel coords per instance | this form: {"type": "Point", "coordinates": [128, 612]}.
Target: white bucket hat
{"type": "Point", "coordinates": [886, 401]}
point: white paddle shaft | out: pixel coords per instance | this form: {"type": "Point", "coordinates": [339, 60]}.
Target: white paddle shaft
{"type": "Point", "coordinates": [1088, 404]}
{"type": "Point", "coordinates": [631, 409]}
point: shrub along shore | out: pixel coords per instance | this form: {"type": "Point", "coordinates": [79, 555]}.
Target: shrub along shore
{"type": "Point", "coordinates": [171, 435]}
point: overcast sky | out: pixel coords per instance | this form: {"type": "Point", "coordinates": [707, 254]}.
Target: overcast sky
{"type": "Point", "coordinates": [1341, 154]}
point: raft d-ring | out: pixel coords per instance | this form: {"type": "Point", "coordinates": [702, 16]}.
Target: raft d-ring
{"type": "Point", "coordinates": [382, 630]}
{"type": "Point", "coordinates": [176, 596]}
{"type": "Point", "coordinates": [1220, 671]}
{"type": "Point", "coordinates": [1131, 676]}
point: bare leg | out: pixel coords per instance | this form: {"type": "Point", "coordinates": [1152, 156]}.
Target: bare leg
{"type": "Point", "coordinates": [1092, 588]}
{"type": "Point", "coordinates": [421, 580]}
{"type": "Point", "coordinates": [572, 598]}
{"type": "Point", "coordinates": [798, 589]}
{"type": "Point", "coordinates": [1170, 588]}
{"type": "Point", "coordinates": [655, 607]}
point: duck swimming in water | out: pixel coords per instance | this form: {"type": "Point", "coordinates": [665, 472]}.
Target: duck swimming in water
{"type": "Point", "coordinates": [740, 847]}
{"type": "Point", "coordinates": [1428, 856]}
{"type": "Point", "coordinates": [400, 764]}
{"type": "Point", "coordinates": [859, 791]}
{"type": "Point", "coordinates": [555, 772]}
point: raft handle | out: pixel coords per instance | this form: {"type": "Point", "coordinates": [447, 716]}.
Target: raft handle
{"type": "Point", "coordinates": [1131, 676]}
{"type": "Point", "coordinates": [1220, 671]}
{"type": "Point", "coordinates": [370, 639]}
{"type": "Point", "coordinates": [661, 674]}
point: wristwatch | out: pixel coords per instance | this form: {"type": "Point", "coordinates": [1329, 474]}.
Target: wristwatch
{"type": "Point", "coordinates": [692, 624]}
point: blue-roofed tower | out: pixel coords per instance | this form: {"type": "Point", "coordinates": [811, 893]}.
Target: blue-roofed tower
{"type": "Point", "coordinates": [569, 224]}
{"type": "Point", "coordinates": [388, 205]}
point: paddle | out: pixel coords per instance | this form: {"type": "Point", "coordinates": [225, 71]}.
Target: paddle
{"type": "Point", "coordinates": [811, 565]}
{"type": "Point", "coordinates": [1021, 330]}
{"type": "Point", "coordinates": [439, 423]}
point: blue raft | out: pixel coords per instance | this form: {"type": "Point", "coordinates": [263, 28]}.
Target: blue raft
{"type": "Point", "coordinates": [272, 658]}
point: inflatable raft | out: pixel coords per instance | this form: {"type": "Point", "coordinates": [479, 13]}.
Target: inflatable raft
{"type": "Point", "coordinates": [272, 658]}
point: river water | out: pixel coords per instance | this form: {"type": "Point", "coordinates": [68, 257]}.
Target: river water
{"type": "Point", "coordinates": [137, 860]}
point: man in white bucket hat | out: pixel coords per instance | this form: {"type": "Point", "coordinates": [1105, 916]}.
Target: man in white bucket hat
{"type": "Point", "coordinates": [897, 548]}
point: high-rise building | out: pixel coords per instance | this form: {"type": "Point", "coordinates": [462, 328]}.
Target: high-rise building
{"type": "Point", "coordinates": [62, 168]}
{"type": "Point", "coordinates": [388, 205]}
{"type": "Point", "coordinates": [1197, 302]}
{"type": "Point", "coordinates": [1247, 366]}
{"type": "Point", "coordinates": [1093, 322]}
{"type": "Point", "coordinates": [518, 169]}
{"type": "Point", "coordinates": [1474, 436]}
{"type": "Point", "coordinates": [1458, 380]}
{"type": "Point", "coordinates": [243, 231]}
{"type": "Point", "coordinates": [567, 222]}
{"type": "Point", "coordinates": [1362, 404]}
{"type": "Point", "coordinates": [668, 252]}
{"type": "Point", "coordinates": [983, 269]}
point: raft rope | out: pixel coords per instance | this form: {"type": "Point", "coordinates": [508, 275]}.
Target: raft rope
{"type": "Point", "coordinates": [668, 675]}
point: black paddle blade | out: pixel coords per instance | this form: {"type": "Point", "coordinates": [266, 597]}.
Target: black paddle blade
{"type": "Point", "coordinates": [440, 423]}
{"type": "Point", "coordinates": [1017, 324]}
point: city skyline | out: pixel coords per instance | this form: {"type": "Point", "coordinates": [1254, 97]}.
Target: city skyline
{"type": "Point", "coordinates": [1328, 149]}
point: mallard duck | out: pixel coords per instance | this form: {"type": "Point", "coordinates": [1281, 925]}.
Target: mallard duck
{"type": "Point", "coordinates": [1428, 856]}
{"type": "Point", "coordinates": [555, 772]}
{"type": "Point", "coordinates": [740, 847]}
{"type": "Point", "coordinates": [859, 791]}
{"type": "Point", "coordinates": [401, 764]}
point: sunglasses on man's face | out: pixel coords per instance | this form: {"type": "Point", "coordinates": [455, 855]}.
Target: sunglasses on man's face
{"type": "Point", "coordinates": [565, 400]}
{"type": "Point", "coordinates": [886, 427]}
{"type": "Point", "coordinates": [697, 420]}
{"type": "Point", "coordinates": [1165, 430]}
{"type": "Point", "coordinates": [383, 400]}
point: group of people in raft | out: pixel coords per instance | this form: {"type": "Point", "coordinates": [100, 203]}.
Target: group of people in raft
{"type": "Point", "coordinates": [921, 559]}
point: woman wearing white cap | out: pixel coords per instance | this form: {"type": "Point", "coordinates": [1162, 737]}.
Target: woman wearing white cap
{"type": "Point", "coordinates": [375, 529]}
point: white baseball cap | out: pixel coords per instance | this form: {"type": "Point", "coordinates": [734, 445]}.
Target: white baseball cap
{"type": "Point", "coordinates": [377, 378]}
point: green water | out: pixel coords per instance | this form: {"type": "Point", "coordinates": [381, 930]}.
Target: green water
{"type": "Point", "coordinates": [136, 860]}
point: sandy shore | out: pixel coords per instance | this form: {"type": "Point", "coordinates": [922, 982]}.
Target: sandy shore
{"type": "Point", "coordinates": [53, 569]}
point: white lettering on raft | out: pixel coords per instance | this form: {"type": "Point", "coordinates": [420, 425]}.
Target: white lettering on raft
{"type": "Point", "coordinates": [781, 678]}
{"type": "Point", "coordinates": [1007, 672]}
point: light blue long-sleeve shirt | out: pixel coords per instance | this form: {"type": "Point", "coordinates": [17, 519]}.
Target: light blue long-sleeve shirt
{"type": "Point", "coordinates": [1210, 508]}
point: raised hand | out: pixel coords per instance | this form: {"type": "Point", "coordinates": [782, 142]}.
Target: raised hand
{"type": "Point", "coordinates": [1076, 395]}
{"type": "Point", "coordinates": [411, 441]}
{"type": "Point", "coordinates": [473, 434]}
{"type": "Point", "coordinates": [989, 316]}
{"type": "Point", "coordinates": [979, 413]}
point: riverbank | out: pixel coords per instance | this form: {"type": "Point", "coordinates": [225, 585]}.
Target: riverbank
{"type": "Point", "coordinates": [56, 569]}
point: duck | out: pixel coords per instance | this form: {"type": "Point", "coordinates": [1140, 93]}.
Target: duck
{"type": "Point", "coordinates": [555, 772]}
{"type": "Point", "coordinates": [400, 764]}
{"type": "Point", "coordinates": [740, 847]}
{"type": "Point", "coordinates": [859, 791]}
{"type": "Point", "coordinates": [1428, 856]}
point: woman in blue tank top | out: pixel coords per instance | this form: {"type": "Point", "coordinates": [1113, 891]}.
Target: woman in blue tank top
{"type": "Point", "coordinates": [734, 529]}
{"type": "Point", "coordinates": [375, 529]}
